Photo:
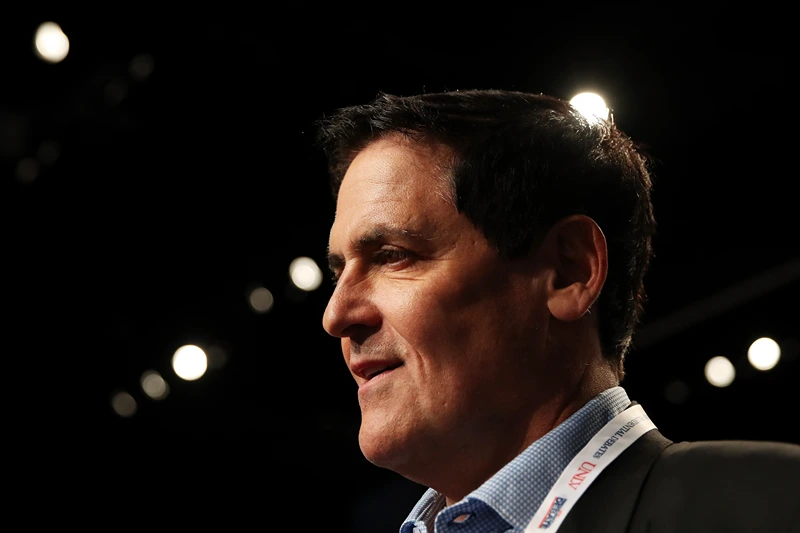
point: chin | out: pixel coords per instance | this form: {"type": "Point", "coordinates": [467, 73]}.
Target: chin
{"type": "Point", "coordinates": [382, 447]}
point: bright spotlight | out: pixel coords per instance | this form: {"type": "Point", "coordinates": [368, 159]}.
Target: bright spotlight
{"type": "Point", "coordinates": [189, 362]}
{"type": "Point", "coordinates": [720, 371]}
{"type": "Point", "coordinates": [50, 42]}
{"type": "Point", "coordinates": [305, 274]}
{"type": "Point", "coordinates": [590, 105]}
{"type": "Point", "coordinates": [764, 353]}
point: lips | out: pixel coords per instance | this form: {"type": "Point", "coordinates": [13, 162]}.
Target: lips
{"type": "Point", "coordinates": [368, 370]}
{"type": "Point", "coordinates": [375, 371]}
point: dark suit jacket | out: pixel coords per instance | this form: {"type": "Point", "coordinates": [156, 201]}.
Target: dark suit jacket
{"type": "Point", "coordinates": [658, 486]}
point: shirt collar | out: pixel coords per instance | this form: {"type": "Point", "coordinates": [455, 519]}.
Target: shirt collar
{"type": "Point", "coordinates": [517, 490]}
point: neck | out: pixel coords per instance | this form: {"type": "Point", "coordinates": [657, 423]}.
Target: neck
{"type": "Point", "coordinates": [595, 377]}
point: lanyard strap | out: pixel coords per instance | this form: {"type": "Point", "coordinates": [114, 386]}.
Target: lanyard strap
{"type": "Point", "coordinates": [622, 431]}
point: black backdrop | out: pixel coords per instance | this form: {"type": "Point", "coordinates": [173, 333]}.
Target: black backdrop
{"type": "Point", "coordinates": [168, 201]}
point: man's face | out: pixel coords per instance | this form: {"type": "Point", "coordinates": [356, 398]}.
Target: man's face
{"type": "Point", "coordinates": [440, 334]}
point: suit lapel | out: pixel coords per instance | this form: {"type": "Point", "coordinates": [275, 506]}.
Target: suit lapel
{"type": "Point", "coordinates": [608, 505]}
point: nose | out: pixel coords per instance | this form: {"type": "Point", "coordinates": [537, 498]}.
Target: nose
{"type": "Point", "coordinates": [351, 305]}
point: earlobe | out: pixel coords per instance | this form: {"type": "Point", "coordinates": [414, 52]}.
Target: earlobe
{"type": "Point", "coordinates": [580, 265]}
{"type": "Point", "coordinates": [571, 302]}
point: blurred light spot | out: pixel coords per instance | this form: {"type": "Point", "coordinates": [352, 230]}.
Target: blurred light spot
{"type": "Point", "coordinates": [217, 357]}
{"type": "Point", "coordinates": [189, 362]}
{"type": "Point", "coordinates": [115, 92]}
{"type": "Point", "coordinates": [305, 274]}
{"type": "Point", "coordinates": [140, 67]}
{"type": "Point", "coordinates": [591, 106]}
{"type": "Point", "coordinates": [50, 42]}
{"type": "Point", "coordinates": [27, 170]}
{"type": "Point", "coordinates": [261, 300]}
{"type": "Point", "coordinates": [48, 152]}
{"type": "Point", "coordinates": [720, 371]}
{"type": "Point", "coordinates": [676, 392]}
{"type": "Point", "coordinates": [764, 353]}
{"type": "Point", "coordinates": [154, 385]}
{"type": "Point", "coordinates": [123, 404]}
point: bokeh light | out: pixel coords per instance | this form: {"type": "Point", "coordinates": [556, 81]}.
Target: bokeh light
{"type": "Point", "coordinates": [27, 170]}
{"type": "Point", "coordinates": [764, 353]}
{"type": "Point", "coordinates": [154, 385]}
{"type": "Point", "coordinates": [305, 274]}
{"type": "Point", "coordinates": [189, 362]}
{"type": "Point", "coordinates": [50, 42]}
{"type": "Point", "coordinates": [676, 391]}
{"type": "Point", "coordinates": [141, 67]}
{"type": "Point", "coordinates": [261, 299]}
{"type": "Point", "coordinates": [123, 404]}
{"type": "Point", "coordinates": [48, 152]}
{"type": "Point", "coordinates": [590, 105]}
{"type": "Point", "coordinates": [719, 371]}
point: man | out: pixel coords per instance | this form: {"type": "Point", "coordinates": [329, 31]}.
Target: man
{"type": "Point", "coordinates": [488, 250]}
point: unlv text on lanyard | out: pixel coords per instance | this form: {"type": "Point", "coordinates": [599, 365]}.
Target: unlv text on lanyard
{"type": "Point", "coordinates": [622, 431]}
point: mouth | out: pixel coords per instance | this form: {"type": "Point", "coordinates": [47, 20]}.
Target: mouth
{"type": "Point", "coordinates": [371, 373]}
{"type": "Point", "coordinates": [377, 371]}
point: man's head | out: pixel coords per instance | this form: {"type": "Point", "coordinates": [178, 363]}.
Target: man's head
{"type": "Point", "coordinates": [474, 232]}
{"type": "Point", "coordinates": [521, 162]}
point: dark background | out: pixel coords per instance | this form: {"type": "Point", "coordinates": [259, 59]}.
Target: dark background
{"type": "Point", "coordinates": [168, 201]}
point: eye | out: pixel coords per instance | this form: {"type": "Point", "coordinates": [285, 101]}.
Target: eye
{"type": "Point", "coordinates": [390, 256]}
{"type": "Point", "coordinates": [382, 257]}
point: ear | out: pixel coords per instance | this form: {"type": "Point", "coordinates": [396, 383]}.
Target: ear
{"type": "Point", "coordinates": [580, 264]}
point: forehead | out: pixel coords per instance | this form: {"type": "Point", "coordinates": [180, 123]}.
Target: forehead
{"type": "Point", "coordinates": [395, 182]}
{"type": "Point", "coordinates": [409, 167]}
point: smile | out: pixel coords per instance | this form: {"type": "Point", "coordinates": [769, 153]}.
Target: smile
{"type": "Point", "coordinates": [378, 375]}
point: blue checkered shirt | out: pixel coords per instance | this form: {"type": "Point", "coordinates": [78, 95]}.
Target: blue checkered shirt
{"type": "Point", "coordinates": [509, 499]}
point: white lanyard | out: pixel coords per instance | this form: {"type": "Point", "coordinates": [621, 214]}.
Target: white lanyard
{"type": "Point", "coordinates": [605, 446]}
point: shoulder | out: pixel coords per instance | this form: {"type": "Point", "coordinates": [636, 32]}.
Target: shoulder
{"type": "Point", "coordinates": [728, 450]}
{"type": "Point", "coordinates": [731, 459]}
{"type": "Point", "coordinates": [735, 485]}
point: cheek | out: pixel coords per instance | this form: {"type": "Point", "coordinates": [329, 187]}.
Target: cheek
{"type": "Point", "coordinates": [411, 310]}
{"type": "Point", "coordinates": [440, 319]}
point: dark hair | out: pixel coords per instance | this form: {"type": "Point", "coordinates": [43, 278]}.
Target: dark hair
{"type": "Point", "coordinates": [522, 162]}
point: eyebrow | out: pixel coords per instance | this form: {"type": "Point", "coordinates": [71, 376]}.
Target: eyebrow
{"type": "Point", "coordinates": [372, 238]}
